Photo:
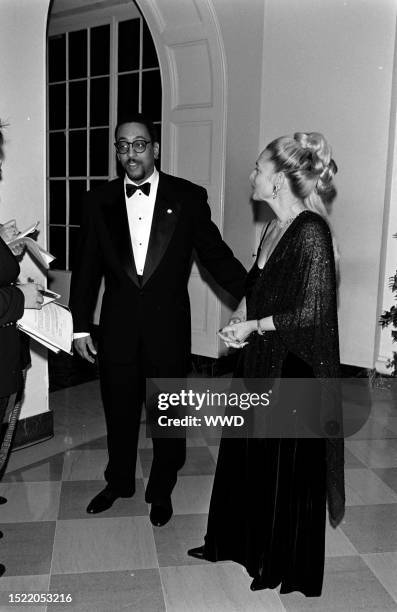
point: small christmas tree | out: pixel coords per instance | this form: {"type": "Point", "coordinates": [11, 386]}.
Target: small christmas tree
{"type": "Point", "coordinates": [390, 317]}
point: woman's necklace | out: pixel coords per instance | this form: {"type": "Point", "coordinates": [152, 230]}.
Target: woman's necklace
{"type": "Point", "coordinates": [284, 224]}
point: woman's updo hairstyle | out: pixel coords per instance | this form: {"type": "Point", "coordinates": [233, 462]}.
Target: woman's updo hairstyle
{"type": "Point", "coordinates": [306, 160]}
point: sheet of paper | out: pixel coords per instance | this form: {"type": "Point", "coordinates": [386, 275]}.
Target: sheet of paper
{"type": "Point", "coordinates": [52, 324]}
{"type": "Point", "coordinates": [26, 232]}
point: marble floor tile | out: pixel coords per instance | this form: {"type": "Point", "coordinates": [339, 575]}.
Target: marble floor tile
{"type": "Point", "coordinates": [76, 495]}
{"type": "Point", "coordinates": [375, 453]}
{"type": "Point", "coordinates": [363, 487]}
{"type": "Point", "coordinates": [89, 464]}
{"type": "Point", "coordinates": [351, 460]}
{"type": "Point", "coordinates": [337, 544]}
{"type": "Point", "coordinates": [46, 469]}
{"type": "Point", "coordinates": [214, 450]}
{"type": "Point", "coordinates": [384, 566]}
{"type": "Point", "coordinates": [349, 586]}
{"type": "Point", "coordinates": [84, 464]}
{"type": "Point", "coordinates": [9, 586]}
{"type": "Point", "coordinates": [392, 423]}
{"type": "Point", "coordinates": [26, 548]}
{"type": "Point", "coordinates": [199, 461]}
{"type": "Point", "coordinates": [30, 501]}
{"type": "Point", "coordinates": [220, 587]}
{"type": "Point", "coordinates": [192, 494]}
{"type": "Point", "coordinates": [371, 529]}
{"type": "Point", "coordinates": [173, 540]}
{"type": "Point", "coordinates": [94, 444]}
{"type": "Point", "coordinates": [103, 544]}
{"type": "Point", "coordinates": [388, 476]}
{"type": "Point", "coordinates": [373, 430]}
{"type": "Point", "coordinates": [137, 590]}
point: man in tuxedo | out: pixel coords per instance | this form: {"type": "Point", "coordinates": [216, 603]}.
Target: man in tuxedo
{"type": "Point", "coordinates": [139, 231]}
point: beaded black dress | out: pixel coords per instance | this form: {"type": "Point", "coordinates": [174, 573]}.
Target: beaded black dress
{"type": "Point", "coordinates": [268, 504]}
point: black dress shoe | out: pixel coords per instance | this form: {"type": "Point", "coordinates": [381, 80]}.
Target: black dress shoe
{"type": "Point", "coordinates": [3, 500]}
{"type": "Point", "coordinates": [197, 553]}
{"type": "Point", "coordinates": [160, 513]}
{"type": "Point", "coordinates": [2, 569]}
{"type": "Point", "coordinates": [1, 534]}
{"type": "Point", "coordinates": [103, 501]}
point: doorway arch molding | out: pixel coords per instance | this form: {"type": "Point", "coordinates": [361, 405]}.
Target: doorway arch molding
{"type": "Point", "coordinates": [192, 61]}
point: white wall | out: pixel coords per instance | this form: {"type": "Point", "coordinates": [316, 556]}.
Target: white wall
{"type": "Point", "coordinates": [22, 105]}
{"type": "Point", "coordinates": [328, 67]}
{"type": "Point", "coordinates": [241, 25]}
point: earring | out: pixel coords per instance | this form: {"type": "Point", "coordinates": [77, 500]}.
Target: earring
{"type": "Point", "coordinates": [276, 189]}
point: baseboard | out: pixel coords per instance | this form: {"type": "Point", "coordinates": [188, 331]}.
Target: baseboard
{"type": "Point", "coordinates": [33, 429]}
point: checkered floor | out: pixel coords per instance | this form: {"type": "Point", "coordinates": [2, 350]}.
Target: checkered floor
{"type": "Point", "coordinates": [118, 561]}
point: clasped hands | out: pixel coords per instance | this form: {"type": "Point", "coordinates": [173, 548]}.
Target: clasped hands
{"type": "Point", "coordinates": [235, 334]}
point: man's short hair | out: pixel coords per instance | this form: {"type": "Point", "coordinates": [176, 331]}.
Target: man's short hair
{"type": "Point", "coordinates": [138, 118]}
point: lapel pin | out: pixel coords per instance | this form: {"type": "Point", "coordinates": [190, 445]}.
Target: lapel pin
{"type": "Point", "coordinates": [169, 211]}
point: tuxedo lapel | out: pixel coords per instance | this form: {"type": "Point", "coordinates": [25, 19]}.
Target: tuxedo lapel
{"type": "Point", "coordinates": [116, 219]}
{"type": "Point", "coordinates": [165, 216]}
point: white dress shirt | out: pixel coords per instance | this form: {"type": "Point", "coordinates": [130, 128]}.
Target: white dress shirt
{"type": "Point", "coordinates": [140, 214]}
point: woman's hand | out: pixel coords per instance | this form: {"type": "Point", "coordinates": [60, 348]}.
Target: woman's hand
{"type": "Point", "coordinates": [8, 232]}
{"type": "Point", "coordinates": [33, 297]}
{"type": "Point", "coordinates": [235, 334]}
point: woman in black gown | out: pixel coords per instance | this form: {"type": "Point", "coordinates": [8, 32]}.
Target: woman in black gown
{"type": "Point", "coordinates": [268, 504]}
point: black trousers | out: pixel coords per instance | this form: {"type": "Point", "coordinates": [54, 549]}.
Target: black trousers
{"type": "Point", "coordinates": [123, 393]}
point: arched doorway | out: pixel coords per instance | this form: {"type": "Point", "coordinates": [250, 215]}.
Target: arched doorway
{"type": "Point", "coordinates": [193, 116]}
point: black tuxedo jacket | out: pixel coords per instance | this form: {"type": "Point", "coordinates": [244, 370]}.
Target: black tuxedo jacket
{"type": "Point", "coordinates": [11, 309]}
{"type": "Point", "coordinates": [153, 314]}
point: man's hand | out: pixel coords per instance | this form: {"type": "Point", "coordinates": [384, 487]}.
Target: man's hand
{"type": "Point", "coordinates": [33, 297]}
{"type": "Point", "coordinates": [85, 348]}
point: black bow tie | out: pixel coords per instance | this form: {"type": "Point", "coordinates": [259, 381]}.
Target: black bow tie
{"type": "Point", "coordinates": [131, 189]}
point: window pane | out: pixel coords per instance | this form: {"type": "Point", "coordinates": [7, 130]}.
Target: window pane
{"type": "Point", "coordinates": [149, 59]}
{"type": "Point", "coordinates": [78, 104]}
{"type": "Point", "coordinates": [58, 247]}
{"type": "Point", "coordinates": [78, 153]}
{"type": "Point", "coordinates": [78, 54]}
{"type": "Point", "coordinates": [57, 202]}
{"type": "Point", "coordinates": [100, 43]}
{"type": "Point", "coordinates": [96, 183]}
{"type": "Point", "coordinates": [57, 154]}
{"type": "Point", "coordinates": [76, 190]}
{"type": "Point", "coordinates": [99, 152]}
{"type": "Point", "coordinates": [99, 114]}
{"type": "Point", "coordinates": [73, 244]}
{"type": "Point", "coordinates": [129, 45]}
{"type": "Point", "coordinates": [151, 94]}
{"type": "Point", "coordinates": [57, 107]}
{"type": "Point", "coordinates": [128, 94]}
{"type": "Point", "coordinates": [57, 58]}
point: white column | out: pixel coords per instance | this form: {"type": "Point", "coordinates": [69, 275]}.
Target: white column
{"type": "Point", "coordinates": [22, 105]}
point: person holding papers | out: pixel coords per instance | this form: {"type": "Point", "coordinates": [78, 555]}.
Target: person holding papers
{"type": "Point", "coordinates": [13, 300]}
{"type": "Point", "coordinates": [139, 232]}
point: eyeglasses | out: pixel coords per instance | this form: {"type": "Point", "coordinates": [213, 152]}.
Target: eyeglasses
{"type": "Point", "coordinates": [139, 146]}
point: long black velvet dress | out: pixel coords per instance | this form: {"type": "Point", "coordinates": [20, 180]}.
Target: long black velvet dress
{"type": "Point", "coordinates": [268, 504]}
